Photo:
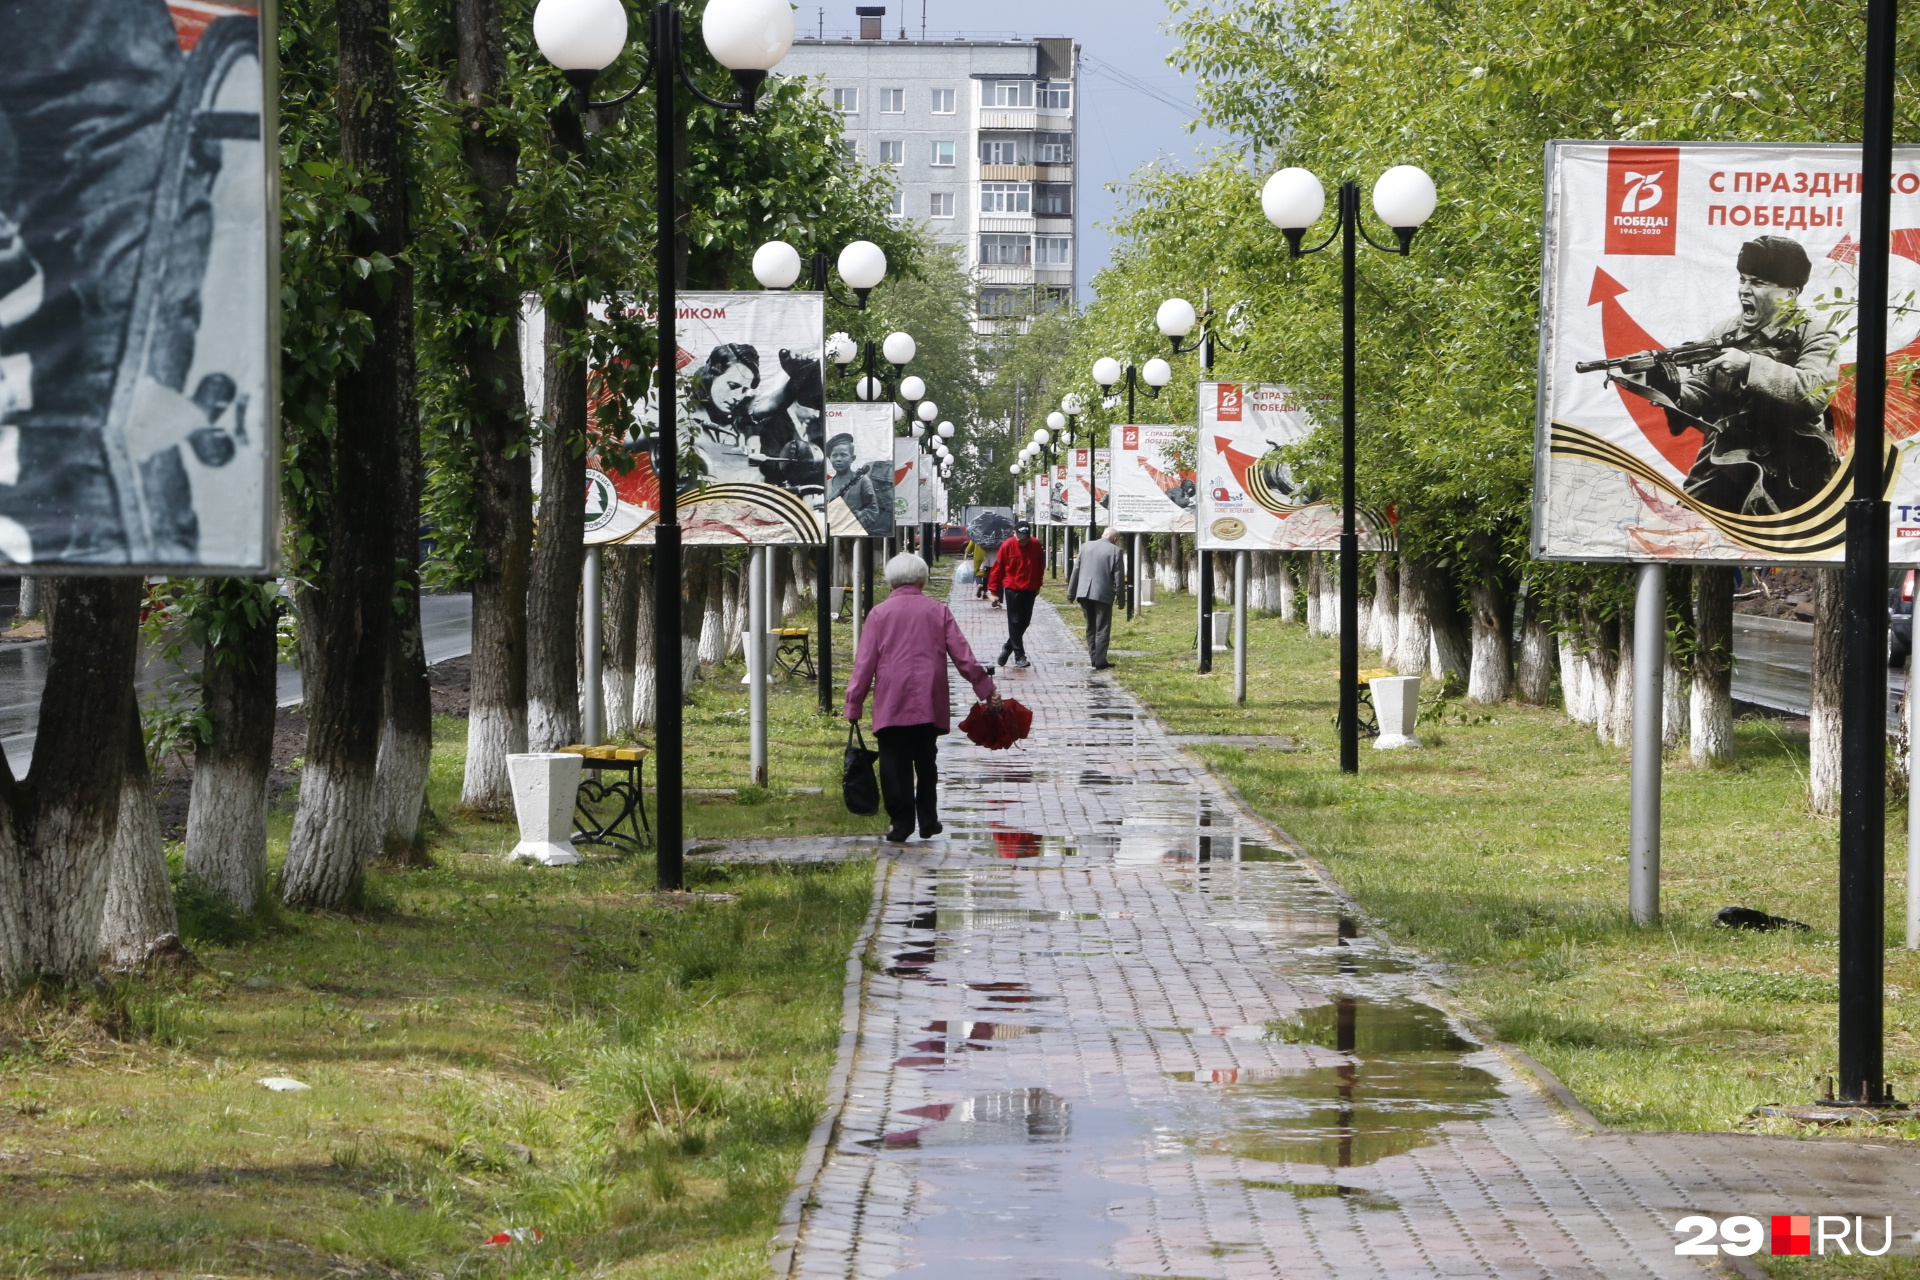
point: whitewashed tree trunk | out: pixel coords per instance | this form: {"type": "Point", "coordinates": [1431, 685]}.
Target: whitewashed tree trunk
{"type": "Point", "coordinates": [1273, 569]}
{"type": "Point", "coordinates": [1289, 589]}
{"type": "Point", "coordinates": [138, 926]}
{"type": "Point", "coordinates": [1712, 693]}
{"type": "Point", "coordinates": [29, 606]}
{"type": "Point", "coordinates": [1166, 566]}
{"type": "Point", "coordinates": [1675, 694]}
{"type": "Point", "coordinates": [732, 611]}
{"type": "Point", "coordinates": [1823, 719]}
{"type": "Point", "coordinates": [1257, 582]}
{"type": "Point", "coordinates": [620, 585]}
{"type": "Point", "coordinates": [712, 640]}
{"type": "Point", "coordinates": [1416, 634]}
{"type": "Point", "coordinates": [1619, 726]}
{"type": "Point", "coordinates": [645, 680]}
{"type": "Point", "coordinates": [1386, 609]}
{"type": "Point", "coordinates": [1576, 683]}
{"type": "Point", "coordinates": [792, 591]}
{"type": "Point", "coordinates": [1314, 594]}
{"type": "Point", "coordinates": [1490, 675]}
{"type": "Point", "coordinates": [1533, 681]}
{"type": "Point", "coordinates": [226, 848]}
{"type": "Point", "coordinates": [1329, 595]}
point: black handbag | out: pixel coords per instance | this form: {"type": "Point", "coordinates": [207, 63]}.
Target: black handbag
{"type": "Point", "coordinates": [857, 784]}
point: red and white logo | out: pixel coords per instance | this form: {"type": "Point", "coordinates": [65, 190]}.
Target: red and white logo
{"type": "Point", "coordinates": [1643, 192]}
{"type": "Point", "coordinates": [1130, 439]}
{"type": "Point", "coordinates": [1792, 1235]}
{"type": "Point", "coordinates": [1227, 401]}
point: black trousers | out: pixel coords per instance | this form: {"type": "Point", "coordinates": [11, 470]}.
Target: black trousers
{"type": "Point", "coordinates": [1019, 618]}
{"type": "Point", "coordinates": [909, 775]}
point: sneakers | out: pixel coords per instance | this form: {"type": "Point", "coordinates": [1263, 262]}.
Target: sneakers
{"type": "Point", "coordinates": [1021, 662]}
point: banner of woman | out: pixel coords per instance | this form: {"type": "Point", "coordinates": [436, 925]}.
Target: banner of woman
{"type": "Point", "coordinates": [752, 430]}
{"type": "Point", "coordinates": [1696, 353]}
{"type": "Point", "coordinates": [1154, 486]}
{"type": "Point", "coordinates": [1248, 499]}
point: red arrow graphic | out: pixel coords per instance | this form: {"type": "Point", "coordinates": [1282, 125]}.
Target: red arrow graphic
{"type": "Point", "coordinates": [1623, 336]}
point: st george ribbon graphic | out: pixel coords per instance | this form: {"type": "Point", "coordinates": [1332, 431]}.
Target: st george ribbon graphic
{"type": "Point", "coordinates": [1696, 356]}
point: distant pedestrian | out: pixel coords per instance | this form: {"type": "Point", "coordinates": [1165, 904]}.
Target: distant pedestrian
{"type": "Point", "coordinates": [1096, 581]}
{"type": "Point", "coordinates": [1018, 571]}
{"type": "Point", "coordinates": [903, 659]}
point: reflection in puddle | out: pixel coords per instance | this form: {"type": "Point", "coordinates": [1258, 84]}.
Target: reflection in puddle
{"type": "Point", "coordinates": [1404, 1078]}
{"type": "Point", "coordinates": [1013, 1115]}
{"type": "Point", "coordinates": [1358, 1197]}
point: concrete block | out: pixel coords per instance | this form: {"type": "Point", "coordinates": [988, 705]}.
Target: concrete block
{"type": "Point", "coordinates": [1396, 701]}
{"type": "Point", "coordinates": [544, 786]}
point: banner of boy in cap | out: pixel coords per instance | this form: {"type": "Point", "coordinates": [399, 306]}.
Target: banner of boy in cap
{"type": "Point", "coordinates": [1696, 376]}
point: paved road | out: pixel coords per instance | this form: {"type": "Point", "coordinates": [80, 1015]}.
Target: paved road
{"type": "Point", "coordinates": [1773, 665]}
{"type": "Point", "coordinates": [1111, 1027]}
{"type": "Point", "coordinates": [446, 619]}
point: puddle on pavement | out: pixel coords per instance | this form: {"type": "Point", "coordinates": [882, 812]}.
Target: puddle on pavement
{"type": "Point", "coordinates": [1358, 1197]}
{"type": "Point", "coordinates": [991, 1119]}
{"type": "Point", "coordinates": [1405, 1077]}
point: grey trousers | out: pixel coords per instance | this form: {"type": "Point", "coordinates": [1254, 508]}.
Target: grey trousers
{"type": "Point", "coordinates": [1099, 614]}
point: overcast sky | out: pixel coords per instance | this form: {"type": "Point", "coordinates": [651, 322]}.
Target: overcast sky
{"type": "Point", "coordinates": [1126, 118]}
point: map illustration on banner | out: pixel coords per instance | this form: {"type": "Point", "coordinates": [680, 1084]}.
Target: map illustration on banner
{"type": "Point", "coordinates": [1248, 498]}
{"type": "Point", "coordinates": [138, 414]}
{"type": "Point", "coordinates": [752, 429]}
{"type": "Point", "coordinates": [1697, 356]}
{"type": "Point", "coordinates": [1154, 488]}
{"type": "Point", "coordinates": [906, 480]}
{"type": "Point", "coordinates": [860, 499]}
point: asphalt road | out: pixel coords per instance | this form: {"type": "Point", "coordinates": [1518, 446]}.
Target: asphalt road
{"type": "Point", "coordinates": [1773, 665]}
{"type": "Point", "coordinates": [446, 619]}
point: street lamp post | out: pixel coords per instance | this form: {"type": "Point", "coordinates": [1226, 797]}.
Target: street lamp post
{"type": "Point", "coordinates": [1293, 200]}
{"type": "Point", "coordinates": [582, 38]}
{"type": "Point", "coordinates": [1156, 373]}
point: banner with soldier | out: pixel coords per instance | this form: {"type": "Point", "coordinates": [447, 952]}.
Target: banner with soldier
{"type": "Point", "coordinates": [1696, 353]}
{"type": "Point", "coordinates": [139, 308]}
{"type": "Point", "coordinates": [860, 470]}
{"type": "Point", "coordinates": [1154, 488]}
{"type": "Point", "coordinates": [751, 428]}
{"type": "Point", "coordinates": [1248, 498]}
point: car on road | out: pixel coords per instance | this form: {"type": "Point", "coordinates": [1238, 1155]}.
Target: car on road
{"type": "Point", "coordinates": [1900, 620]}
{"type": "Point", "coordinates": [953, 539]}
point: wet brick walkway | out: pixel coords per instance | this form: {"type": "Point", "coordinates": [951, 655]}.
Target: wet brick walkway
{"type": "Point", "coordinates": [1108, 1029]}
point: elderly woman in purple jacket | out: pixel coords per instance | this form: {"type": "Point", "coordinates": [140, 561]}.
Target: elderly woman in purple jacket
{"type": "Point", "coordinates": [903, 660]}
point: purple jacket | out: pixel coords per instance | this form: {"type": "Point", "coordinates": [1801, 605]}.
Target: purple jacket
{"type": "Point", "coordinates": [905, 642]}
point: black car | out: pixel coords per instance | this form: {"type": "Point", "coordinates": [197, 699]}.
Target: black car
{"type": "Point", "coordinates": [1900, 620]}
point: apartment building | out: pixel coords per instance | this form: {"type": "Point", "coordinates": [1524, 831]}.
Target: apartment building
{"type": "Point", "coordinates": [981, 135]}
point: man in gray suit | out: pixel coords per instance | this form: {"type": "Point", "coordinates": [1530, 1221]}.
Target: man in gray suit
{"type": "Point", "coordinates": [1095, 582]}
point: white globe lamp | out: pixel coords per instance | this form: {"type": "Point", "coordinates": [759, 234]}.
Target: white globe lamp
{"type": "Point", "coordinates": [1057, 420]}
{"type": "Point", "coordinates": [1042, 436]}
{"type": "Point", "coordinates": [946, 430]}
{"type": "Point", "coordinates": [863, 265]}
{"type": "Point", "coordinates": [1073, 404]}
{"type": "Point", "coordinates": [1107, 371]}
{"type": "Point", "coordinates": [748, 35]}
{"type": "Point", "coordinates": [1156, 373]}
{"type": "Point", "coordinates": [580, 35]}
{"type": "Point", "coordinates": [776, 265]}
{"type": "Point", "coordinates": [1293, 200]}
{"type": "Point", "coordinates": [1404, 197]}
{"type": "Point", "coordinates": [913, 387]}
{"type": "Point", "coordinates": [927, 411]}
{"type": "Point", "coordinates": [1176, 318]}
{"type": "Point", "coordinates": [899, 348]}
{"type": "Point", "coordinates": [841, 349]}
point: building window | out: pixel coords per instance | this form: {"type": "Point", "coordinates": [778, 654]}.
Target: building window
{"type": "Point", "coordinates": [1056, 95]}
{"type": "Point", "coordinates": [1053, 199]}
{"type": "Point", "coordinates": [1053, 148]}
{"type": "Point", "coordinates": [1053, 251]}
{"type": "Point", "coordinates": [994, 151]}
{"type": "Point", "coordinates": [1011, 93]}
{"type": "Point", "coordinates": [943, 102]}
{"type": "Point", "coordinates": [1052, 297]}
{"type": "Point", "coordinates": [897, 206]}
{"type": "Point", "coordinates": [943, 155]}
{"type": "Point", "coordinates": [851, 146]}
{"type": "Point", "coordinates": [846, 101]}
{"type": "Point", "coordinates": [1006, 197]}
{"type": "Point", "coordinates": [1005, 251]}
{"type": "Point", "coordinates": [893, 151]}
{"type": "Point", "coordinates": [893, 101]}
{"type": "Point", "coordinates": [996, 303]}
{"type": "Point", "coordinates": [940, 204]}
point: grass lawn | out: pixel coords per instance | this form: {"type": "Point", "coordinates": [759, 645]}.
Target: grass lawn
{"type": "Point", "coordinates": [488, 1047]}
{"type": "Point", "coordinates": [1501, 849]}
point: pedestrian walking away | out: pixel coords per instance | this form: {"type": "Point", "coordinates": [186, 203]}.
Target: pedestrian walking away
{"type": "Point", "coordinates": [903, 660]}
{"type": "Point", "coordinates": [1096, 582]}
{"type": "Point", "coordinates": [1018, 571]}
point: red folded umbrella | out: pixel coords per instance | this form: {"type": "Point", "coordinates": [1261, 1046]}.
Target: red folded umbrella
{"type": "Point", "coordinates": [996, 729]}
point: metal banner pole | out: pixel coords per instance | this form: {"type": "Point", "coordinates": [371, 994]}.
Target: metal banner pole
{"type": "Point", "coordinates": [1913, 813]}
{"type": "Point", "coordinates": [1239, 627]}
{"type": "Point", "coordinates": [1649, 659]}
{"type": "Point", "coordinates": [669, 815]}
{"type": "Point", "coordinates": [859, 584]}
{"type": "Point", "coordinates": [593, 718]}
{"type": "Point", "coordinates": [757, 600]}
{"type": "Point", "coordinates": [1206, 606]}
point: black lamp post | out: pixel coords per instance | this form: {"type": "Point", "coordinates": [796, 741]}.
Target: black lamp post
{"type": "Point", "coordinates": [1863, 698]}
{"type": "Point", "coordinates": [1156, 373]}
{"type": "Point", "coordinates": [1293, 200]}
{"type": "Point", "coordinates": [583, 38]}
{"type": "Point", "coordinates": [1176, 318]}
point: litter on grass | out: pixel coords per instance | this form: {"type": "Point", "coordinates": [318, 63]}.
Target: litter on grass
{"type": "Point", "coordinates": [516, 1235]}
{"type": "Point", "coordinates": [281, 1084]}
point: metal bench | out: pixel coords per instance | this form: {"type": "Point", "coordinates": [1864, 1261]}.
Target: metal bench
{"type": "Point", "coordinates": [795, 654]}
{"type": "Point", "coordinates": [624, 829]}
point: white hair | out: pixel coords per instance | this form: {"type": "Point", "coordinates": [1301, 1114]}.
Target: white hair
{"type": "Point", "coordinates": [906, 570]}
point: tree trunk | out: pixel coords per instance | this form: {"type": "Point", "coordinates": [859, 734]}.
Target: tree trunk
{"type": "Point", "coordinates": [1329, 594]}
{"type": "Point", "coordinates": [227, 814]}
{"type": "Point", "coordinates": [57, 842]}
{"type": "Point", "coordinates": [733, 608]}
{"type": "Point", "coordinates": [1534, 683]}
{"type": "Point", "coordinates": [1257, 601]}
{"type": "Point", "coordinates": [1490, 678]}
{"type": "Point", "coordinates": [406, 732]}
{"type": "Point", "coordinates": [1676, 673]}
{"type": "Point", "coordinates": [1416, 632]}
{"type": "Point", "coordinates": [1711, 712]}
{"type": "Point", "coordinates": [1316, 592]}
{"type": "Point", "coordinates": [488, 352]}
{"type": "Point", "coordinates": [695, 578]}
{"type": "Point", "coordinates": [138, 926]}
{"type": "Point", "coordinates": [346, 609]}
{"type": "Point", "coordinates": [619, 617]}
{"type": "Point", "coordinates": [553, 594]}
{"type": "Point", "coordinates": [1823, 718]}
{"type": "Point", "coordinates": [1600, 637]}
{"type": "Point", "coordinates": [29, 606]}
{"type": "Point", "coordinates": [1386, 609]}
{"type": "Point", "coordinates": [1289, 592]}
{"type": "Point", "coordinates": [713, 638]}
{"type": "Point", "coordinates": [645, 686]}
{"type": "Point", "coordinates": [1618, 729]}
{"type": "Point", "coordinates": [1452, 656]}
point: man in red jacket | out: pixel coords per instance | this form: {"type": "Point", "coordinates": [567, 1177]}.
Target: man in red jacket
{"type": "Point", "coordinates": [1017, 573]}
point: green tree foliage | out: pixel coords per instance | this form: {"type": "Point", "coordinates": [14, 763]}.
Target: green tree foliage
{"type": "Point", "coordinates": [1472, 93]}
